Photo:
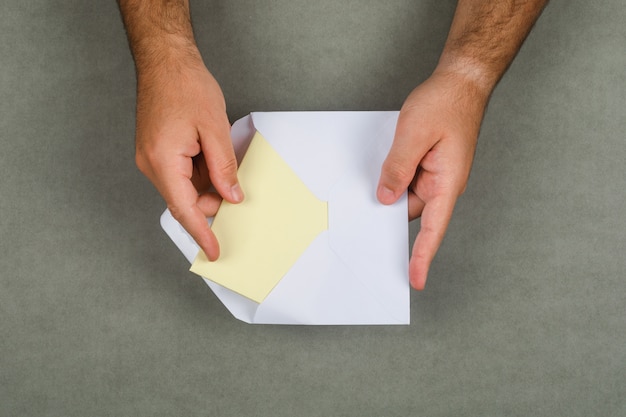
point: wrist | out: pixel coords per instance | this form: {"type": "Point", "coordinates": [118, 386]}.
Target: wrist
{"type": "Point", "coordinates": [164, 55]}
{"type": "Point", "coordinates": [470, 72]}
{"type": "Point", "coordinates": [161, 38]}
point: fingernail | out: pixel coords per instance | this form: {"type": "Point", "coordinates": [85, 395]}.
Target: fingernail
{"type": "Point", "coordinates": [236, 193]}
{"type": "Point", "coordinates": [385, 195]}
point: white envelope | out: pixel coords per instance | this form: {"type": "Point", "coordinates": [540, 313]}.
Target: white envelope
{"type": "Point", "coordinates": [356, 272]}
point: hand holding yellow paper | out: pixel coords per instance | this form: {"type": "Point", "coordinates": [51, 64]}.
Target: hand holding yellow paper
{"type": "Point", "coordinates": [262, 237]}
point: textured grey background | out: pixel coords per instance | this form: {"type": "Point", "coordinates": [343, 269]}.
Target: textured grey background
{"type": "Point", "coordinates": [524, 312]}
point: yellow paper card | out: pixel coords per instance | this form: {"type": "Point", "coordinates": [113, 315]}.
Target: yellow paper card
{"type": "Point", "coordinates": [262, 237]}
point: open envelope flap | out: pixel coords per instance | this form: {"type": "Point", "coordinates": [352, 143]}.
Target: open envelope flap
{"type": "Point", "coordinates": [241, 134]}
{"type": "Point", "coordinates": [321, 146]}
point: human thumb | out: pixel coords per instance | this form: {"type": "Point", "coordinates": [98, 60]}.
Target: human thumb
{"type": "Point", "coordinates": [401, 163]}
{"type": "Point", "coordinates": [222, 165]}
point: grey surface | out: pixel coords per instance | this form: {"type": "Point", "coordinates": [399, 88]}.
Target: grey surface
{"type": "Point", "coordinates": [524, 312]}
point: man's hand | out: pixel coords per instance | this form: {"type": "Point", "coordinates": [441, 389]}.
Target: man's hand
{"type": "Point", "coordinates": [183, 134]}
{"type": "Point", "coordinates": [183, 145]}
{"type": "Point", "coordinates": [432, 155]}
{"type": "Point", "coordinates": [438, 125]}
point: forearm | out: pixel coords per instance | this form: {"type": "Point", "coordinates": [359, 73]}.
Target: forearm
{"type": "Point", "coordinates": [159, 33]}
{"type": "Point", "coordinates": [485, 36]}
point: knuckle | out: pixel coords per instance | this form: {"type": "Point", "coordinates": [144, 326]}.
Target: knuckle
{"type": "Point", "coordinates": [148, 153]}
{"type": "Point", "coordinates": [175, 211]}
{"type": "Point", "coordinates": [399, 172]}
{"type": "Point", "coordinates": [141, 163]}
{"type": "Point", "coordinates": [180, 213]}
{"type": "Point", "coordinates": [226, 166]}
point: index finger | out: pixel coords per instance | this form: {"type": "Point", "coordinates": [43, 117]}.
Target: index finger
{"type": "Point", "coordinates": [434, 222]}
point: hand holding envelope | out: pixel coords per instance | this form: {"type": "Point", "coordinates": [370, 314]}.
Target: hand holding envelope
{"type": "Point", "coordinates": [310, 244]}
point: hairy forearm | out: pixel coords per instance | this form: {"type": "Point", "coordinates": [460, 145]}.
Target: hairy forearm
{"type": "Point", "coordinates": [485, 36]}
{"type": "Point", "coordinates": [159, 33]}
